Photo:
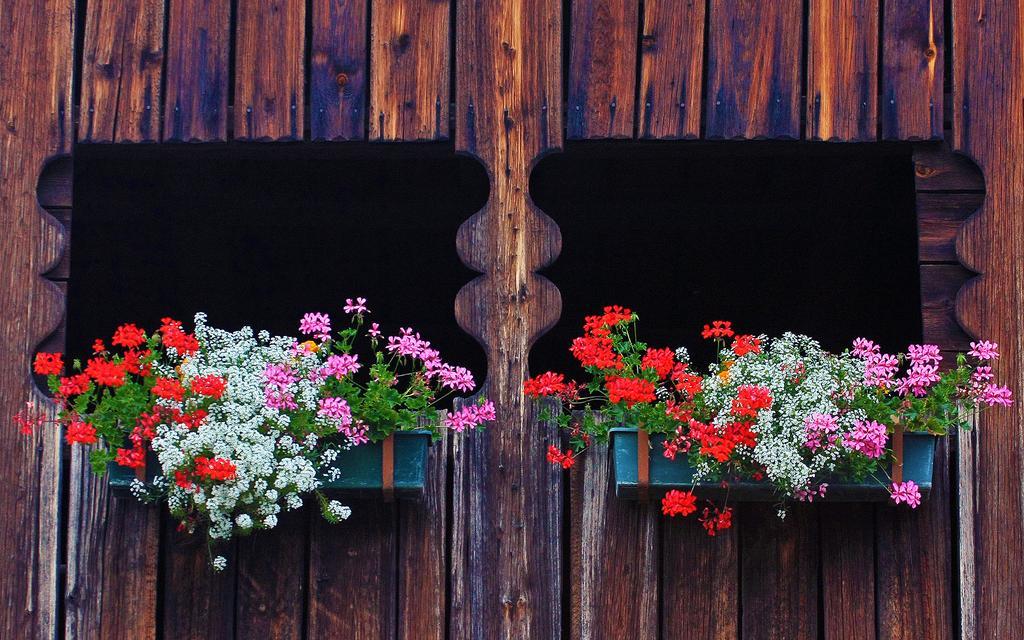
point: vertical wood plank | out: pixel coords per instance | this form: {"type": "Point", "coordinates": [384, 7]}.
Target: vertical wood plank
{"type": "Point", "coordinates": [912, 68]}
{"type": "Point", "coordinates": [271, 587]}
{"type": "Point", "coordinates": [914, 550]}
{"type": "Point", "coordinates": [409, 67]}
{"type": "Point", "coordinates": [36, 61]}
{"type": "Point", "coordinates": [671, 69]}
{"type": "Point", "coordinates": [937, 168]}
{"type": "Point", "coordinates": [754, 81]}
{"type": "Point", "coordinates": [614, 551]}
{"type": "Point", "coordinates": [940, 284]}
{"type": "Point", "coordinates": [842, 76]}
{"type": "Point", "coordinates": [848, 571]}
{"type": "Point", "coordinates": [507, 500]}
{"type": "Point", "coordinates": [196, 81]}
{"type": "Point", "coordinates": [198, 603]}
{"type": "Point", "coordinates": [352, 574]}
{"type": "Point", "coordinates": [966, 465]}
{"type": "Point", "coordinates": [337, 74]}
{"type": "Point", "coordinates": [122, 67]}
{"type": "Point", "coordinates": [779, 573]}
{"type": "Point", "coordinates": [111, 587]}
{"type": "Point", "coordinates": [602, 68]}
{"type": "Point", "coordinates": [270, 48]}
{"type": "Point", "coordinates": [422, 563]}
{"type": "Point", "coordinates": [701, 582]}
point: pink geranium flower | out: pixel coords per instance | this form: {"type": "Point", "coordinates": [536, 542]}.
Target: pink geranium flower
{"type": "Point", "coordinates": [906, 492]}
{"type": "Point", "coordinates": [356, 306]}
{"type": "Point", "coordinates": [317, 325]}
{"type": "Point", "coordinates": [868, 437]}
{"type": "Point", "coordinates": [984, 350]}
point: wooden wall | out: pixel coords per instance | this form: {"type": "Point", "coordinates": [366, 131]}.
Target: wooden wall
{"type": "Point", "coordinates": [504, 545]}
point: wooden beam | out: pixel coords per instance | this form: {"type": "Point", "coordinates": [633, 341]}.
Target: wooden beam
{"type": "Point", "coordinates": [409, 82]}
{"type": "Point", "coordinates": [122, 70]}
{"type": "Point", "coordinates": [602, 68]}
{"type": "Point", "coordinates": [671, 69]}
{"type": "Point", "coordinates": [337, 74]}
{"type": "Point", "coordinates": [196, 103]}
{"type": "Point", "coordinates": [270, 49]}
{"type": "Point", "coordinates": [912, 68]}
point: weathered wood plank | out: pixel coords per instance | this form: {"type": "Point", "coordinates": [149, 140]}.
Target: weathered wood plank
{"type": "Point", "coordinates": [779, 573]}
{"type": "Point", "coordinates": [337, 74]}
{"type": "Point", "coordinates": [55, 183]}
{"type": "Point", "coordinates": [121, 71]}
{"type": "Point", "coordinates": [196, 80]}
{"type": "Point", "coordinates": [271, 587]}
{"type": "Point", "coordinates": [988, 88]}
{"type": "Point", "coordinates": [912, 68]}
{"type": "Point", "coordinates": [409, 67]}
{"type": "Point", "coordinates": [602, 68]}
{"type": "Point", "coordinates": [671, 69]}
{"type": "Point", "coordinates": [940, 284]}
{"type": "Point", "coordinates": [111, 589]}
{"type": "Point", "coordinates": [422, 565]}
{"type": "Point", "coordinates": [966, 497]}
{"type": "Point", "coordinates": [352, 574]}
{"type": "Point", "coordinates": [848, 571]}
{"type": "Point", "coordinates": [939, 217]}
{"type": "Point", "coordinates": [754, 69]}
{"type": "Point", "coordinates": [507, 500]}
{"type": "Point", "coordinates": [700, 577]}
{"type": "Point", "coordinates": [198, 603]}
{"type": "Point", "coordinates": [936, 168]}
{"type": "Point", "coordinates": [842, 70]}
{"type": "Point", "coordinates": [36, 61]}
{"type": "Point", "coordinates": [914, 550]}
{"type": "Point", "coordinates": [62, 270]}
{"type": "Point", "coordinates": [614, 551]}
{"type": "Point", "coordinates": [270, 49]}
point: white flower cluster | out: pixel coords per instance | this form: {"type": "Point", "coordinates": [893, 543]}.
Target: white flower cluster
{"type": "Point", "coordinates": [272, 469]}
{"type": "Point", "coordinates": [803, 380]}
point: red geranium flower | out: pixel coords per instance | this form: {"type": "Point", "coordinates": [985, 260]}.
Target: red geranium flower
{"type": "Point", "coordinates": [169, 389]}
{"type": "Point", "coordinates": [546, 384]}
{"type": "Point", "coordinates": [555, 456]}
{"type": "Point", "coordinates": [678, 503]}
{"type": "Point", "coordinates": [128, 336]}
{"type": "Point", "coordinates": [49, 364]}
{"type": "Point", "coordinates": [134, 458]}
{"type": "Point", "coordinates": [80, 432]}
{"type": "Point", "coordinates": [661, 360]}
{"type": "Point", "coordinates": [718, 329]}
{"type": "Point", "coordinates": [745, 344]}
{"type": "Point", "coordinates": [750, 399]}
{"type": "Point", "coordinates": [98, 346]}
{"type": "Point", "coordinates": [629, 390]}
{"type": "Point", "coordinates": [74, 385]}
{"type": "Point", "coordinates": [106, 373]}
{"type": "Point", "coordinates": [595, 351]}
{"type": "Point", "coordinates": [211, 386]}
{"type": "Point", "coordinates": [174, 337]}
{"type": "Point", "coordinates": [686, 382]}
{"type": "Point", "coordinates": [215, 469]}
{"type": "Point", "coordinates": [716, 521]}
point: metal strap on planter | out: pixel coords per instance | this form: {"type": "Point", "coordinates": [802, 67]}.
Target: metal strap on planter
{"type": "Point", "coordinates": [897, 453]}
{"type": "Point", "coordinates": [387, 468]}
{"type": "Point", "coordinates": [643, 465]}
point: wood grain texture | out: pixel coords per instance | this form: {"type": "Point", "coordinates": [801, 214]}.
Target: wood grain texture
{"type": "Point", "coordinates": [779, 572]}
{"type": "Point", "coordinates": [337, 70]}
{"type": "Point", "coordinates": [270, 49]}
{"type": "Point", "coordinates": [847, 571]}
{"type": "Point", "coordinates": [671, 69]}
{"type": "Point", "coordinates": [988, 88]}
{"type": "Point", "coordinates": [271, 588]}
{"type": "Point", "coordinates": [842, 70]}
{"type": "Point", "coordinates": [914, 550]}
{"type": "Point", "coordinates": [507, 500]}
{"type": "Point", "coordinates": [422, 553]}
{"type": "Point", "coordinates": [965, 461]}
{"type": "Point", "coordinates": [614, 577]}
{"type": "Point", "coordinates": [940, 284]}
{"type": "Point", "coordinates": [602, 68]}
{"type": "Point", "coordinates": [352, 574]}
{"type": "Point", "coordinates": [939, 217]}
{"type": "Point", "coordinates": [409, 67]}
{"type": "Point", "coordinates": [122, 69]}
{"type": "Point", "coordinates": [912, 68]}
{"type": "Point", "coordinates": [197, 602]}
{"type": "Point", "coordinates": [196, 79]}
{"type": "Point", "coordinates": [700, 578]}
{"type": "Point", "coordinates": [754, 84]}
{"type": "Point", "coordinates": [111, 589]}
{"type": "Point", "coordinates": [35, 106]}
{"type": "Point", "coordinates": [937, 168]}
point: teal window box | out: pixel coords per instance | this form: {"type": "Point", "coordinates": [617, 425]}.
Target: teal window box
{"type": "Point", "coordinates": [362, 469]}
{"type": "Point", "coordinates": [665, 474]}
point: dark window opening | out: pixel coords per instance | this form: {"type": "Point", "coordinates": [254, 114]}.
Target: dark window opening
{"type": "Point", "coordinates": [815, 239]}
{"type": "Point", "coordinates": [259, 235]}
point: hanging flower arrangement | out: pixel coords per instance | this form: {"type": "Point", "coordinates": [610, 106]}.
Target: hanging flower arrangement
{"type": "Point", "coordinates": [782, 411]}
{"type": "Point", "coordinates": [243, 425]}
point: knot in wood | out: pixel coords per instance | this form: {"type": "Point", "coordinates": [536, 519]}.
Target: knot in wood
{"type": "Point", "coordinates": [930, 52]}
{"type": "Point", "coordinates": [341, 79]}
{"type": "Point", "coordinates": [648, 40]}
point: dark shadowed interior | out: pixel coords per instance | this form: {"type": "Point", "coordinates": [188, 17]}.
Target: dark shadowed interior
{"type": "Point", "coordinates": [817, 239]}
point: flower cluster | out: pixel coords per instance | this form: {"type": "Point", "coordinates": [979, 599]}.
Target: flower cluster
{"type": "Point", "coordinates": [778, 410]}
{"type": "Point", "coordinates": [244, 425]}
